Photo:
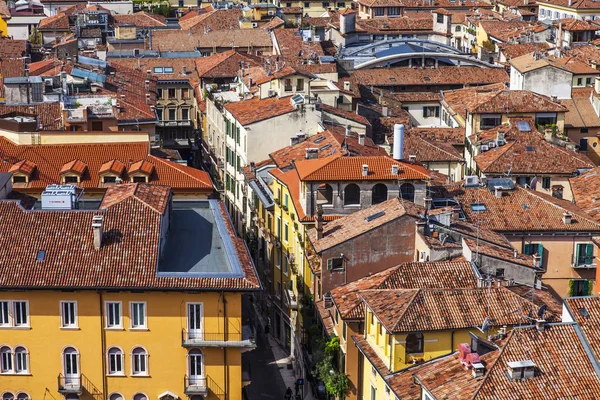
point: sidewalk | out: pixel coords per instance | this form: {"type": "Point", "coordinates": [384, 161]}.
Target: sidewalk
{"type": "Point", "coordinates": [282, 358]}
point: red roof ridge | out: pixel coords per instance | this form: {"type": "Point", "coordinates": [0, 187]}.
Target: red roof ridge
{"type": "Point", "coordinates": [183, 170]}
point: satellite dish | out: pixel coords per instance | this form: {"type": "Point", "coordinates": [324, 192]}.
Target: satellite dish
{"type": "Point", "coordinates": [542, 310]}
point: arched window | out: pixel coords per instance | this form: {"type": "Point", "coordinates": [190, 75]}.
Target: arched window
{"type": "Point", "coordinates": [71, 366]}
{"type": "Point", "coordinates": [407, 191]}
{"type": "Point", "coordinates": [139, 361]}
{"type": "Point", "coordinates": [195, 369]}
{"type": "Point", "coordinates": [351, 194]}
{"type": "Point", "coordinates": [140, 396]}
{"type": "Point", "coordinates": [21, 361]}
{"type": "Point", "coordinates": [115, 361]}
{"type": "Point", "coordinates": [414, 343]}
{"type": "Point", "coordinates": [116, 396]}
{"type": "Point", "coordinates": [72, 396]}
{"type": "Point", "coordinates": [379, 193]}
{"type": "Point", "coordinates": [6, 364]}
{"type": "Point", "coordinates": [8, 396]}
{"type": "Point", "coordinates": [23, 396]}
{"type": "Point", "coordinates": [325, 193]}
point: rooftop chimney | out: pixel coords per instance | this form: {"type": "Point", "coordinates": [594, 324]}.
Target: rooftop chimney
{"type": "Point", "coordinates": [398, 141]}
{"type": "Point", "coordinates": [347, 85]}
{"type": "Point", "coordinates": [148, 74]}
{"type": "Point", "coordinates": [498, 192]}
{"type": "Point", "coordinates": [348, 130]}
{"type": "Point", "coordinates": [567, 218]}
{"type": "Point", "coordinates": [184, 70]}
{"type": "Point", "coordinates": [537, 260]}
{"type": "Point", "coordinates": [311, 153]}
{"type": "Point", "coordinates": [361, 139]}
{"type": "Point", "coordinates": [384, 111]}
{"type": "Point", "coordinates": [147, 98]}
{"type": "Point", "coordinates": [395, 169]}
{"type": "Point", "coordinates": [319, 222]}
{"type": "Point", "coordinates": [412, 157]}
{"type": "Point", "coordinates": [428, 203]}
{"type": "Point", "coordinates": [421, 225]}
{"type": "Point", "coordinates": [97, 230]}
{"type": "Point", "coordinates": [123, 97]}
{"type": "Point", "coordinates": [540, 324]}
{"type": "Point", "coordinates": [365, 170]}
{"type": "Point", "coordinates": [147, 85]}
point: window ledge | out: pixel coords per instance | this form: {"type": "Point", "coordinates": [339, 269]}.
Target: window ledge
{"type": "Point", "coordinates": [140, 376]}
{"type": "Point", "coordinates": [16, 373]}
{"type": "Point", "coordinates": [116, 375]}
{"type": "Point", "coordinates": [115, 328]}
{"type": "Point", "coordinates": [69, 328]}
{"type": "Point", "coordinates": [16, 327]}
{"type": "Point", "coordinates": [139, 329]}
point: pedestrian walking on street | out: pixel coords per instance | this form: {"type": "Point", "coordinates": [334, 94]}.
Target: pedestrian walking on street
{"type": "Point", "coordinates": [288, 394]}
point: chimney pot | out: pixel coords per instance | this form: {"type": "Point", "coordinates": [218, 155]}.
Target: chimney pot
{"type": "Point", "coordinates": [97, 230]}
{"type": "Point", "coordinates": [428, 203]}
{"type": "Point", "coordinates": [537, 260]}
{"type": "Point", "coordinates": [348, 130]}
{"type": "Point", "coordinates": [515, 253]}
{"type": "Point", "coordinates": [365, 170]}
{"type": "Point", "coordinates": [498, 193]}
{"type": "Point", "coordinates": [412, 157]}
{"type": "Point", "coordinates": [395, 169]}
{"type": "Point", "coordinates": [384, 111]}
{"type": "Point", "coordinates": [398, 142]}
{"type": "Point", "coordinates": [567, 218]}
{"type": "Point", "coordinates": [148, 74]}
{"type": "Point", "coordinates": [347, 85]}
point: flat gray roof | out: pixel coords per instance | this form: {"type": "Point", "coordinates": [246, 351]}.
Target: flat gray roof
{"type": "Point", "coordinates": [198, 243]}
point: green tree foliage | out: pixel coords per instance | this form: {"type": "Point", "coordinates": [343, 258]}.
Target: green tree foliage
{"type": "Point", "coordinates": [336, 382]}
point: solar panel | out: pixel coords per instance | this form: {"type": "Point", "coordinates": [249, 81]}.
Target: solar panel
{"type": "Point", "coordinates": [529, 149]}
{"type": "Point", "coordinates": [523, 126]}
{"type": "Point", "coordinates": [375, 216]}
{"type": "Point", "coordinates": [319, 139]}
{"type": "Point", "coordinates": [478, 207]}
{"type": "Point", "coordinates": [92, 76]}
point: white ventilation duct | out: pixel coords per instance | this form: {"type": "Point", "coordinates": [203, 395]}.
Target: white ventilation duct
{"type": "Point", "coordinates": [398, 141]}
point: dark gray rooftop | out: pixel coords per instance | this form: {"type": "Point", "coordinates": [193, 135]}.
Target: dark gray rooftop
{"type": "Point", "coordinates": [198, 243]}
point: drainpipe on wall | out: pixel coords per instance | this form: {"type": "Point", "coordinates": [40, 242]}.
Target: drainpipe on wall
{"type": "Point", "coordinates": [225, 367]}
{"type": "Point", "coordinates": [103, 345]}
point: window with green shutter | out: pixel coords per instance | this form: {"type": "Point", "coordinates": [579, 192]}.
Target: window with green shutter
{"type": "Point", "coordinates": [227, 127]}
{"type": "Point", "coordinates": [533, 248]}
{"type": "Point", "coordinates": [237, 135]}
{"type": "Point", "coordinates": [584, 254]}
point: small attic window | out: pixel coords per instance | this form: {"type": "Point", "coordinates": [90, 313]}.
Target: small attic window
{"type": "Point", "coordinates": [139, 179]}
{"type": "Point", "coordinates": [375, 216]}
{"type": "Point", "coordinates": [325, 147]}
{"type": "Point", "coordinates": [584, 313]}
{"type": "Point", "coordinates": [478, 207]}
{"type": "Point", "coordinates": [41, 254]}
{"type": "Point", "coordinates": [529, 149]}
{"type": "Point", "coordinates": [71, 179]}
{"type": "Point", "coordinates": [19, 179]}
{"type": "Point", "coordinates": [319, 139]}
{"type": "Point", "coordinates": [109, 179]}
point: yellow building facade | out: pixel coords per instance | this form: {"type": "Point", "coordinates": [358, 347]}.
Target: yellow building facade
{"type": "Point", "coordinates": [136, 316]}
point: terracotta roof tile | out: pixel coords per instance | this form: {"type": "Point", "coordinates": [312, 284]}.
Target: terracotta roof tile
{"type": "Point", "coordinates": [128, 257]}
{"type": "Point", "coordinates": [74, 166]}
{"type": "Point", "coordinates": [434, 275]}
{"type": "Point", "coordinates": [345, 114]}
{"type": "Point", "coordinates": [500, 253]}
{"type": "Point", "coordinates": [51, 159]}
{"type": "Point", "coordinates": [214, 20]}
{"type": "Point", "coordinates": [512, 50]}
{"type": "Point", "coordinates": [581, 111]}
{"type": "Point", "coordinates": [140, 19]}
{"type": "Point", "coordinates": [454, 136]}
{"type": "Point", "coordinates": [586, 189]}
{"type": "Point", "coordinates": [404, 76]}
{"type": "Point", "coordinates": [113, 167]}
{"type": "Point", "coordinates": [575, 24]}
{"type": "Point", "coordinates": [226, 64]}
{"type": "Point", "coordinates": [326, 317]}
{"type": "Point", "coordinates": [59, 21]}
{"type": "Point", "coordinates": [429, 151]}
{"type": "Point", "coordinates": [49, 113]}
{"type": "Point", "coordinates": [421, 310]}
{"type": "Point", "coordinates": [180, 40]}
{"type": "Point", "coordinates": [248, 112]}
{"type": "Point", "coordinates": [141, 65]}
{"type": "Point", "coordinates": [12, 48]}
{"type": "Point", "coordinates": [24, 167]}
{"type": "Point", "coordinates": [350, 169]}
{"type": "Point", "coordinates": [143, 166]}
{"type": "Point", "coordinates": [586, 312]}
{"type": "Point", "coordinates": [519, 209]}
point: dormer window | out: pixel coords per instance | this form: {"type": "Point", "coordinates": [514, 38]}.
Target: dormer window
{"type": "Point", "coordinates": [141, 171]}
{"type": "Point", "coordinates": [111, 172]}
{"type": "Point", "coordinates": [22, 171]}
{"type": "Point", "coordinates": [72, 172]}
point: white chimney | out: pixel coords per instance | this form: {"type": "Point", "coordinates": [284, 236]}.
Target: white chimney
{"type": "Point", "coordinates": [398, 141]}
{"type": "Point", "coordinates": [361, 139]}
{"type": "Point", "coordinates": [498, 192]}
{"type": "Point", "coordinates": [597, 84]}
{"type": "Point", "coordinates": [184, 70]}
{"type": "Point", "coordinates": [365, 170]}
{"type": "Point", "coordinates": [412, 157]}
{"type": "Point", "coordinates": [537, 260]}
{"type": "Point", "coordinates": [347, 85]}
{"type": "Point", "coordinates": [147, 98]}
{"type": "Point", "coordinates": [384, 111]}
{"type": "Point", "coordinates": [348, 130]}
{"type": "Point", "coordinates": [97, 230]}
{"type": "Point", "coordinates": [395, 169]}
{"type": "Point", "coordinates": [567, 218]}
{"type": "Point", "coordinates": [515, 253]}
{"type": "Point", "coordinates": [147, 85]}
{"type": "Point", "coordinates": [148, 74]}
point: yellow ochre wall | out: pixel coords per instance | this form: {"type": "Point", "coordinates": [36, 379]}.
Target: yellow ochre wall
{"type": "Point", "coordinates": [167, 359]}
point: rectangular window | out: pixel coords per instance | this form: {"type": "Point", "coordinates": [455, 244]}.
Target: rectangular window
{"type": "Point", "coordinates": [278, 228]}
{"type": "Point", "coordinates": [373, 390]}
{"type": "Point", "coordinates": [579, 81]}
{"type": "Point", "coordinates": [159, 114]}
{"type": "Point", "coordinates": [68, 311]}
{"type": "Point", "coordinates": [138, 315]}
{"type": "Point", "coordinates": [4, 317]}
{"type": "Point", "coordinates": [588, 81]}
{"type": "Point", "coordinates": [115, 363]}
{"type": "Point", "coordinates": [286, 229]}
{"type": "Point", "coordinates": [341, 4]}
{"type": "Point", "coordinates": [379, 11]}
{"type": "Point", "coordinates": [534, 248]}
{"type": "Point", "coordinates": [336, 263]}
{"type": "Point", "coordinates": [431, 111]}
{"type": "Point", "coordinates": [392, 11]}
{"type": "Point", "coordinates": [300, 85]}
{"type": "Point", "coordinates": [489, 121]}
{"type": "Point", "coordinates": [278, 289]}
{"type": "Point", "coordinates": [159, 94]}
{"type": "Point", "coordinates": [21, 314]}
{"type": "Point", "coordinates": [583, 130]}
{"type": "Point", "coordinates": [583, 144]}
{"type": "Point", "coordinates": [285, 200]}
{"type": "Point", "coordinates": [440, 18]}
{"type": "Point", "coordinates": [139, 364]}
{"type": "Point", "coordinates": [344, 331]}
{"type": "Point", "coordinates": [584, 254]}
{"type": "Point", "coordinates": [306, 4]}
{"type": "Point", "coordinates": [325, 4]}
{"type": "Point", "coordinates": [171, 93]}
{"type": "Point", "coordinates": [544, 119]}
{"type": "Point", "coordinates": [185, 114]}
{"type": "Point", "coordinates": [546, 182]}
{"type": "Point", "coordinates": [172, 116]}
{"type": "Point", "coordinates": [113, 314]}
{"type": "Point", "coordinates": [185, 93]}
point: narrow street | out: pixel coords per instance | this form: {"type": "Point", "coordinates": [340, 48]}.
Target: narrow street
{"type": "Point", "coordinates": [267, 382]}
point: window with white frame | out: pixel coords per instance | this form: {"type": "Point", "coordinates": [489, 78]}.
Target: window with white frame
{"type": "Point", "coordinates": [113, 314]}
{"type": "Point", "coordinates": [8, 396]}
{"type": "Point", "coordinates": [6, 365]}
{"type": "Point", "coordinates": [21, 361]}
{"type": "Point", "coordinates": [140, 396]}
{"type": "Point", "coordinates": [116, 396]}
{"type": "Point", "coordinates": [68, 312]}
{"type": "Point", "coordinates": [23, 396]}
{"type": "Point", "coordinates": [4, 314]}
{"type": "Point", "coordinates": [139, 362]}
{"type": "Point", "coordinates": [138, 315]}
{"type": "Point", "coordinates": [115, 361]}
{"type": "Point", "coordinates": [20, 313]}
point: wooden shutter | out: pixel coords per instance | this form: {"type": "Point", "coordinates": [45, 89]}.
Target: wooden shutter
{"type": "Point", "coordinates": [540, 251]}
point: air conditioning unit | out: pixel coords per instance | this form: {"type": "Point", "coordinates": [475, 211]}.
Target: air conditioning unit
{"type": "Point", "coordinates": [271, 13]}
{"type": "Point", "coordinates": [255, 24]}
{"type": "Point", "coordinates": [48, 82]}
{"type": "Point", "coordinates": [484, 147]}
{"type": "Point", "coordinates": [471, 181]}
{"type": "Point", "coordinates": [491, 145]}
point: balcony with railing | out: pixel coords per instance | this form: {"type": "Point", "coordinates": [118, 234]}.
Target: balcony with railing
{"type": "Point", "coordinates": [69, 384]}
{"type": "Point", "coordinates": [175, 123]}
{"type": "Point", "coordinates": [195, 385]}
{"type": "Point", "coordinates": [244, 339]}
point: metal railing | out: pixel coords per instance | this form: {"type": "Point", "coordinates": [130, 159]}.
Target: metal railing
{"type": "Point", "coordinates": [211, 336]}
{"type": "Point", "coordinates": [195, 385]}
{"type": "Point", "coordinates": [583, 262]}
{"type": "Point", "coordinates": [69, 384]}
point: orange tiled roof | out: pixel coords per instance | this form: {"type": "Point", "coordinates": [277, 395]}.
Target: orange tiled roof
{"type": "Point", "coordinates": [350, 169]}
{"type": "Point", "coordinates": [226, 64]}
{"type": "Point", "coordinates": [143, 166]}
{"type": "Point", "coordinates": [422, 310]}
{"type": "Point", "coordinates": [574, 24]}
{"type": "Point", "coordinates": [513, 50]}
{"type": "Point", "coordinates": [74, 166]}
{"type": "Point", "coordinates": [24, 167]}
{"type": "Point", "coordinates": [12, 48]}
{"type": "Point", "coordinates": [251, 111]}
{"type": "Point", "coordinates": [180, 40]}
{"type": "Point", "coordinates": [48, 113]}
{"type": "Point", "coordinates": [140, 19]}
{"type": "Point", "coordinates": [129, 255]}
{"type": "Point", "coordinates": [586, 312]}
{"type": "Point", "coordinates": [51, 159]}
{"type": "Point", "coordinates": [113, 166]}
{"type": "Point", "coordinates": [415, 275]}
{"type": "Point", "coordinates": [141, 65]}
{"type": "Point", "coordinates": [59, 21]}
{"type": "Point", "coordinates": [213, 20]}
{"type": "Point", "coordinates": [586, 192]}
